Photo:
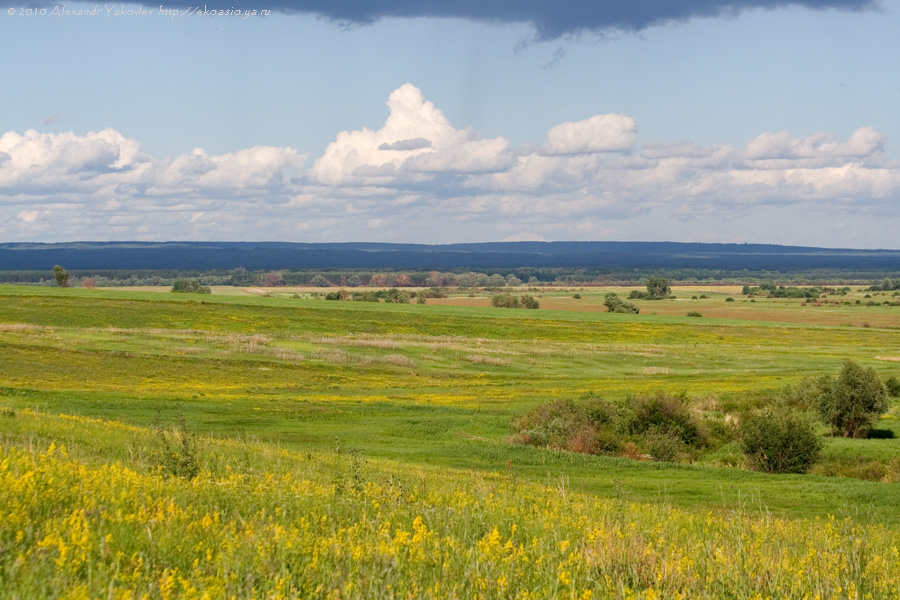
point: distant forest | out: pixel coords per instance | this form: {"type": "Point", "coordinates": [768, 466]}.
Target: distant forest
{"type": "Point", "coordinates": [248, 263]}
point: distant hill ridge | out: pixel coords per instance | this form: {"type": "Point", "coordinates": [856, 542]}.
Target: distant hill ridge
{"type": "Point", "coordinates": [476, 256]}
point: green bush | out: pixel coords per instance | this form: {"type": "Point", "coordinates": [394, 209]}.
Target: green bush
{"type": "Point", "coordinates": [661, 426]}
{"type": "Point", "coordinates": [777, 441]}
{"type": "Point", "coordinates": [530, 302]}
{"type": "Point", "coordinates": [365, 297]}
{"type": "Point", "coordinates": [893, 386]}
{"type": "Point", "coordinates": [662, 444]}
{"type": "Point", "coordinates": [614, 304]}
{"type": "Point", "coordinates": [552, 424]}
{"type": "Point", "coordinates": [662, 412]}
{"type": "Point", "coordinates": [507, 300]}
{"type": "Point", "coordinates": [395, 296]}
{"type": "Point", "coordinates": [694, 313]}
{"type": "Point", "coordinates": [190, 286]}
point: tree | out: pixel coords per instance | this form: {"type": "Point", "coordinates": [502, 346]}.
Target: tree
{"type": "Point", "coordinates": [273, 279]}
{"type": "Point", "coordinates": [62, 278]}
{"type": "Point", "coordinates": [658, 287]}
{"type": "Point", "coordinates": [779, 442]}
{"type": "Point", "coordinates": [852, 402]}
{"type": "Point", "coordinates": [496, 280]}
{"type": "Point", "coordinates": [319, 281]}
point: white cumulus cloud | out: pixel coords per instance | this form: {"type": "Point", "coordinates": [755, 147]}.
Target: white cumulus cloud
{"type": "Point", "coordinates": [416, 142]}
{"type": "Point", "coordinates": [600, 133]}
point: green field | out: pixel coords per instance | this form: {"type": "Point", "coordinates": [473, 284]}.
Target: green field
{"type": "Point", "coordinates": [423, 396]}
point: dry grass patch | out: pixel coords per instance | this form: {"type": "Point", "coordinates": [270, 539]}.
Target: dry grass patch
{"type": "Point", "coordinates": [21, 328]}
{"type": "Point", "coordinates": [481, 359]}
{"type": "Point", "coordinates": [333, 355]}
{"type": "Point", "coordinates": [396, 359]}
{"type": "Point", "coordinates": [187, 350]}
{"type": "Point", "coordinates": [655, 371]}
{"type": "Point", "coordinates": [362, 342]}
{"type": "Point", "coordinates": [288, 355]}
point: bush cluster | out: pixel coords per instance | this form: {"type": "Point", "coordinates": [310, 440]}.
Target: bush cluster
{"type": "Point", "coordinates": [190, 286]}
{"type": "Point", "coordinates": [614, 304]}
{"type": "Point", "coordinates": [658, 426]}
{"type": "Point", "coordinates": [507, 300]}
{"type": "Point", "coordinates": [778, 441]}
{"type": "Point", "coordinates": [392, 295]}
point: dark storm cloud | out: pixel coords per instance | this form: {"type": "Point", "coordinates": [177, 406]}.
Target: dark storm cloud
{"type": "Point", "coordinates": [554, 19]}
{"type": "Point", "coordinates": [549, 19]}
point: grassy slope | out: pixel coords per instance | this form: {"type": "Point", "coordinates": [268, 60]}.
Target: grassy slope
{"type": "Point", "coordinates": [421, 384]}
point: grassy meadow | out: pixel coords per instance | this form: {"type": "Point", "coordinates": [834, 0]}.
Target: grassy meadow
{"type": "Point", "coordinates": [358, 450]}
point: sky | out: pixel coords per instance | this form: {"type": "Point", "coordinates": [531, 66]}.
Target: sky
{"type": "Point", "coordinates": [431, 121]}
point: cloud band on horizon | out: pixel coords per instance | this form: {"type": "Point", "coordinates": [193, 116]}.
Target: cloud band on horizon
{"type": "Point", "coordinates": [416, 174]}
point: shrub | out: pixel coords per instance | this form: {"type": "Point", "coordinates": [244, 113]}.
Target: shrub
{"type": "Point", "coordinates": [662, 444]}
{"type": "Point", "coordinates": [190, 286]}
{"type": "Point", "coordinates": [664, 413]}
{"type": "Point", "coordinates": [531, 302]}
{"type": "Point", "coordinates": [779, 442]}
{"type": "Point", "coordinates": [365, 297]}
{"type": "Point", "coordinates": [852, 402]}
{"type": "Point", "coordinates": [694, 313]}
{"type": "Point", "coordinates": [892, 385]}
{"type": "Point", "coordinates": [176, 453]}
{"type": "Point", "coordinates": [506, 300]}
{"type": "Point", "coordinates": [659, 427]}
{"type": "Point", "coordinates": [553, 424]}
{"type": "Point", "coordinates": [396, 296]}
{"type": "Point", "coordinates": [729, 299]}
{"type": "Point", "coordinates": [615, 304]}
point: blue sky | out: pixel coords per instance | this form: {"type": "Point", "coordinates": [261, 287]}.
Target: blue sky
{"type": "Point", "coordinates": [773, 125]}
